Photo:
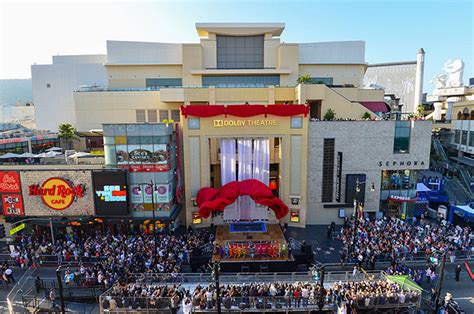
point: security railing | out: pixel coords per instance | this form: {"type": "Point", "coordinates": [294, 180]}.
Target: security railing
{"type": "Point", "coordinates": [118, 304]}
{"type": "Point", "coordinates": [202, 278]}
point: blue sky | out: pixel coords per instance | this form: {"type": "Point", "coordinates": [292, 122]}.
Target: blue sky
{"type": "Point", "coordinates": [393, 30]}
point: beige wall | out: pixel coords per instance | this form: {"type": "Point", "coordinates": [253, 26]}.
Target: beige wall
{"type": "Point", "coordinates": [331, 99]}
{"type": "Point", "coordinates": [288, 60]}
{"type": "Point", "coordinates": [134, 76]}
{"type": "Point", "coordinates": [281, 129]}
{"type": "Point", "coordinates": [341, 73]}
{"type": "Point", "coordinates": [192, 59]}
{"type": "Point", "coordinates": [94, 108]}
{"type": "Point", "coordinates": [270, 52]}
{"type": "Point", "coordinates": [209, 52]}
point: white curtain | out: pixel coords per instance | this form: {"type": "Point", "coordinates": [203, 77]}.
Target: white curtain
{"type": "Point", "coordinates": [245, 203]}
{"type": "Point", "coordinates": [261, 172]}
{"type": "Point", "coordinates": [229, 174]}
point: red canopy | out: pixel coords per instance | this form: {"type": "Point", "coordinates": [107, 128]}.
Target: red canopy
{"type": "Point", "coordinates": [375, 106]}
{"type": "Point", "coordinates": [244, 111]}
{"type": "Point", "coordinates": [210, 199]}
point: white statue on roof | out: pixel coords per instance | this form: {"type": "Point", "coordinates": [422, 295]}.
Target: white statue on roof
{"type": "Point", "coordinates": [455, 71]}
{"type": "Point", "coordinates": [439, 81]}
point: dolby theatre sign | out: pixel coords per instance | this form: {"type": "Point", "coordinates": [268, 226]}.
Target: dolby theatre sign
{"type": "Point", "coordinates": [243, 123]}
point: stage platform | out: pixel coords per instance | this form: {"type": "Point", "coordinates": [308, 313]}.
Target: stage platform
{"type": "Point", "coordinates": [271, 234]}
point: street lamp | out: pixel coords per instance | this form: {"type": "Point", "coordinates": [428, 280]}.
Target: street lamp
{"type": "Point", "coordinates": [358, 204]}
{"type": "Point", "coordinates": [152, 186]}
{"type": "Point", "coordinates": [216, 267]}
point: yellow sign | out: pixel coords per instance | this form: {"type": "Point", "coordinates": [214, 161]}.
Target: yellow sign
{"type": "Point", "coordinates": [17, 228]}
{"type": "Point", "coordinates": [242, 123]}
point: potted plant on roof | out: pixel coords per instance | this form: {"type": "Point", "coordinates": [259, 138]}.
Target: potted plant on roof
{"type": "Point", "coordinates": [330, 115]}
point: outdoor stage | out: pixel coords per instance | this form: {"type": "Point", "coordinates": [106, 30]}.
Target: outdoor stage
{"type": "Point", "coordinates": [252, 235]}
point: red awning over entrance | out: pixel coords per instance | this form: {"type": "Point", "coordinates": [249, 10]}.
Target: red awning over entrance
{"type": "Point", "coordinates": [375, 106]}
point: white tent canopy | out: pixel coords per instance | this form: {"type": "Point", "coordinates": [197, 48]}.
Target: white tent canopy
{"type": "Point", "coordinates": [54, 149]}
{"type": "Point", "coordinates": [79, 154]}
{"type": "Point", "coordinates": [9, 155]}
{"type": "Point", "coordinates": [420, 187]}
{"type": "Point", "coordinates": [27, 155]}
{"type": "Point", "coordinates": [48, 155]}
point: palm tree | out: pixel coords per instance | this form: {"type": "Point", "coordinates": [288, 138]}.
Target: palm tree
{"type": "Point", "coordinates": [304, 79]}
{"type": "Point", "coordinates": [67, 132]}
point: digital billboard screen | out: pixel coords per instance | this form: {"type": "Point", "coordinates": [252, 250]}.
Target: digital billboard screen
{"type": "Point", "coordinates": [110, 193]}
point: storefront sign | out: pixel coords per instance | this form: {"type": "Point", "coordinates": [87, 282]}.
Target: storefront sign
{"type": "Point", "coordinates": [110, 192]}
{"type": "Point", "coordinates": [401, 163]}
{"type": "Point", "coordinates": [17, 228]}
{"type": "Point", "coordinates": [9, 182]}
{"type": "Point", "coordinates": [399, 198]}
{"type": "Point", "coordinates": [12, 205]}
{"type": "Point", "coordinates": [244, 123]}
{"type": "Point", "coordinates": [338, 176]}
{"type": "Point", "coordinates": [10, 192]}
{"type": "Point", "coordinates": [57, 193]}
{"type": "Point", "coordinates": [163, 193]}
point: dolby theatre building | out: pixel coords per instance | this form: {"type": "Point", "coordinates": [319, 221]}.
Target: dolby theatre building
{"type": "Point", "coordinates": [242, 115]}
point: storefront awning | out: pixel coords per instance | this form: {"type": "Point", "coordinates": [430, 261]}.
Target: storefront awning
{"type": "Point", "coordinates": [244, 111]}
{"type": "Point", "coordinates": [375, 106]}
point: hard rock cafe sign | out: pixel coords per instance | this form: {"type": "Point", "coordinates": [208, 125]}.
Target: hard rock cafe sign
{"type": "Point", "coordinates": [57, 193]}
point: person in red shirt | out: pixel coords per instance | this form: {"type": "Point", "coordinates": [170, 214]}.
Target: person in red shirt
{"type": "Point", "coordinates": [297, 296]}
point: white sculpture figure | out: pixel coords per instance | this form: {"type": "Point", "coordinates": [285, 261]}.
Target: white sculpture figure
{"type": "Point", "coordinates": [455, 71]}
{"type": "Point", "coordinates": [439, 80]}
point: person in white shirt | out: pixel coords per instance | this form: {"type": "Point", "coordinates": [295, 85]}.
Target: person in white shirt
{"type": "Point", "coordinates": [187, 306]}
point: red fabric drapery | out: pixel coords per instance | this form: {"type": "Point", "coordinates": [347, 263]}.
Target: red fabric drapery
{"type": "Point", "coordinates": [244, 111]}
{"type": "Point", "coordinates": [287, 110]}
{"type": "Point", "coordinates": [210, 199]}
{"type": "Point", "coordinates": [202, 111]}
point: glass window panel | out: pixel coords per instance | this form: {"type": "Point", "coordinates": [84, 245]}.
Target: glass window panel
{"type": "Point", "coordinates": [109, 140]}
{"type": "Point", "coordinates": [133, 139]}
{"type": "Point", "coordinates": [194, 124]}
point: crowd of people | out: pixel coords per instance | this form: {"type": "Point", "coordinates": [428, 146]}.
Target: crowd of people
{"type": "Point", "coordinates": [417, 275]}
{"type": "Point", "coordinates": [394, 239]}
{"type": "Point", "coordinates": [351, 295]}
{"type": "Point", "coordinates": [103, 258]}
{"type": "Point", "coordinates": [344, 297]}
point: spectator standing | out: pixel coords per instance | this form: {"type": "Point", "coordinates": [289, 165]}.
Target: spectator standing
{"type": "Point", "coordinates": [458, 271]}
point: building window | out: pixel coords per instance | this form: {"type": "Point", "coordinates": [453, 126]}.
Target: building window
{"type": "Point", "coordinates": [157, 83]}
{"type": "Point", "coordinates": [296, 122]}
{"type": "Point", "coordinates": [48, 85]}
{"type": "Point", "coordinates": [457, 135]}
{"type": "Point", "coordinates": [328, 170]}
{"type": "Point", "coordinates": [140, 114]}
{"type": "Point", "coordinates": [175, 115]}
{"type": "Point", "coordinates": [471, 138]}
{"type": "Point", "coordinates": [241, 80]}
{"type": "Point", "coordinates": [163, 115]}
{"type": "Point", "coordinates": [401, 143]}
{"type": "Point", "coordinates": [464, 138]}
{"type": "Point", "coordinates": [240, 52]}
{"type": "Point", "coordinates": [321, 80]}
{"type": "Point", "coordinates": [194, 124]}
{"type": "Point", "coordinates": [152, 116]}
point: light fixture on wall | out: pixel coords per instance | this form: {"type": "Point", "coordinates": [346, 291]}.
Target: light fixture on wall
{"type": "Point", "coordinates": [295, 201]}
